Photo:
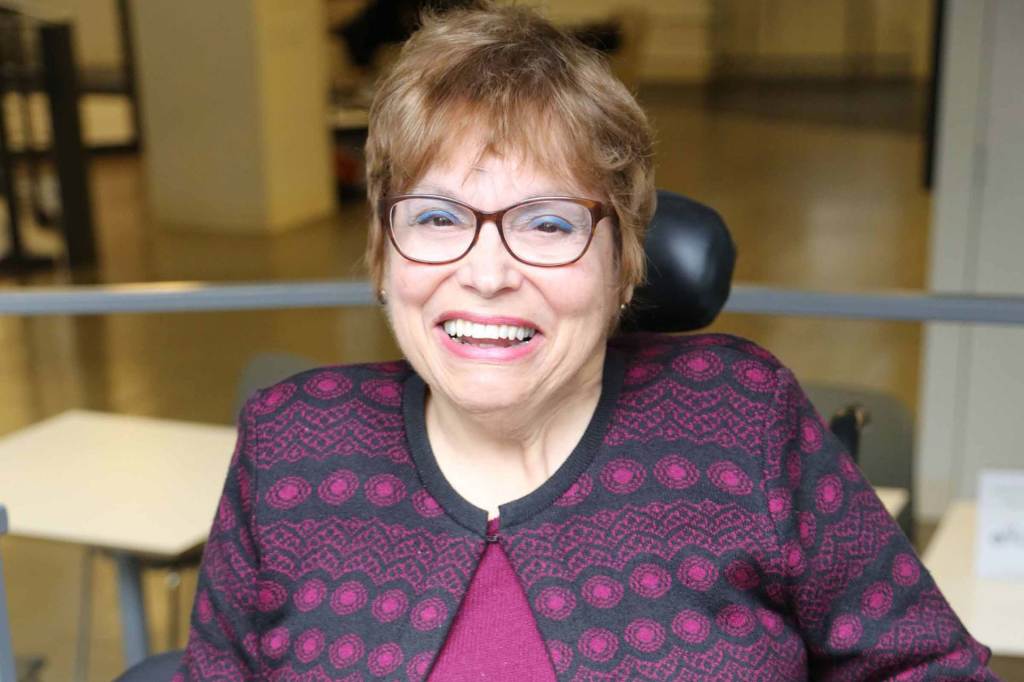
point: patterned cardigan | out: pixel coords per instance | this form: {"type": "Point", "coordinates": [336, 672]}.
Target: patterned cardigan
{"type": "Point", "coordinates": [706, 527]}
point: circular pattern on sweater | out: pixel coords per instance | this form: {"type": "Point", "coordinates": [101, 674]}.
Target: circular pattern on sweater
{"type": "Point", "coordinates": [641, 372]}
{"type": "Point", "coordinates": [845, 632]}
{"type": "Point", "coordinates": [561, 655]}
{"type": "Point", "coordinates": [309, 596]}
{"type": "Point", "coordinates": [650, 580]}
{"type": "Point", "coordinates": [729, 478]}
{"type": "Point", "coordinates": [697, 573]}
{"type": "Point", "coordinates": [905, 570]}
{"type": "Point", "coordinates": [691, 627]}
{"type": "Point", "coordinates": [598, 644]}
{"type": "Point", "coordinates": [811, 434]}
{"type": "Point", "coordinates": [308, 645]}
{"type": "Point", "coordinates": [204, 609]}
{"type": "Point", "coordinates": [425, 504]}
{"type": "Point", "coordinates": [735, 620]}
{"type": "Point", "coordinates": [645, 635]}
{"type": "Point", "coordinates": [348, 598]}
{"type": "Point", "coordinates": [429, 614]}
{"type": "Point", "coordinates": [828, 494]}
{"type": "Point", "coordinates": [384, 659]}
{"type": "Point", "coordinates": [770, 621]}
{"type": "Point", "coordinates": [556, 603]}
{"type": "Point", "coordinates": [288, 492]}
{"type": "Point", "coordinates": [416, 670]}
{"type": "Point", "coordinates": [699, 365]}
{"type": "Point", "coordinates": [577, 492]}
{"type": "Point", "coordinates": [274, 643]}
{"type": "Point", "coordinates": [270, 596]}
{"type": "Point", "coordinates": [676, 472]}
{"type": "Point", "coordinates": [848, 469]}
{"type": "Point", "coordinates": [876, 600]}
{"type": "Point", "coordinates": [272, 398]}
{"type": "Point", "coordinates": [346, 651]}
{"type": "Point", "coordinates": [326, 385]}
{"type": "Point", "coordinates": [754, 375]}
{"type": "Point", "coordinates": [389, 605]}
{"type": "Point", "coordinates": [338, 487]}
{"type": "Point", "coordinates": [383, 391]}
{"type": "Point", "coordinates": [623, 475]}
{"type": "Point", "coordinates": [602, 591]}
{"type": "Point", "coordinates": [741, 575]}
{"type": "Point", "coordinates": [794, 558]}
{"type": "Point", "coordinates": [807, 528]}
{"type": "Point", "coordinates": [385, 490]}
{"type": "Point", "coordinates": [779, 504]}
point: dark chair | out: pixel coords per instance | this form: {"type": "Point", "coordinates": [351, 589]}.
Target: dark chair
{"type": "Point", "coordinates": [690, 258]}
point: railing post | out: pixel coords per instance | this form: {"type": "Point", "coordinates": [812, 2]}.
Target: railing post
{"type": "Point", "coordinates": [61, 83]}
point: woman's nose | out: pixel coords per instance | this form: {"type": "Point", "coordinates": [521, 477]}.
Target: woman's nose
{"type": "Point", "coordinates": [489, 268]}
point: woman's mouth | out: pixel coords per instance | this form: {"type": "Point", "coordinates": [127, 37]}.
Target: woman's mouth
{"type": "Point", "coordinates": [487, 335]}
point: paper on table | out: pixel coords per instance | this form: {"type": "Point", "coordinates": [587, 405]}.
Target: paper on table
{"type": "Point", "coordinates": [1000, 529]}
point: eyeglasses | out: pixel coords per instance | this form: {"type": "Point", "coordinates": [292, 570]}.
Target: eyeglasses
{"type": "Point", "coordinates": [546, 232]}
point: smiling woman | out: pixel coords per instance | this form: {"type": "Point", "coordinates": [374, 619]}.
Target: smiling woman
{"type": "Point", "coordinates": [525, 497]}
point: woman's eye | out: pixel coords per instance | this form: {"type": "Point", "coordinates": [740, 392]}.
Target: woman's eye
{"type": "Point", "coordinates": [551, 225]}
{"type": "Point", "coordinates": [436, 219]}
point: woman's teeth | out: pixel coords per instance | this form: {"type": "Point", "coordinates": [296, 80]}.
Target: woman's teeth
{"type": "Point", "coordinates": [466, 330]}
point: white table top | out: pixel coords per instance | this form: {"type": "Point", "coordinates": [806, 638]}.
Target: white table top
{"type": "Point", "coordinates": [893, 499]}
{"type": "Point", "coordinates": [137, 484]}
{"type": "Point", "coordinates": [992, 610]}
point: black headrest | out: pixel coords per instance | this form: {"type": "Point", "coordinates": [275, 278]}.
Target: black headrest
{"type": "Point", "coordinates": [690, 259]}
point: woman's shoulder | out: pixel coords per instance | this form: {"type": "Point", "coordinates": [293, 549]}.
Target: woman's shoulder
{"type": "Point", "coordinates": [697, 356]}
{"type": "Point", "coordinates": [326, 387]}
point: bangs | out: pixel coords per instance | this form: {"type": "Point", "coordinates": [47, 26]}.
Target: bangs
{"type": "Point", "coordinates": [531, 134]}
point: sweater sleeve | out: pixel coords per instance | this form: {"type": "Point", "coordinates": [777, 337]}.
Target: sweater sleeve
{"type": "Point", "coordinates": [865, 605]}
{"type": "Point", "coordinates": [223, 639]}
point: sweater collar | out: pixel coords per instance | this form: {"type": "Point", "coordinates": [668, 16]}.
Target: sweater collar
{"type": "Point", "coordinates": [518, 511]}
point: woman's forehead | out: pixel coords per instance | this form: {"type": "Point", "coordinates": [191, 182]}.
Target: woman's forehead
{"type": "Point", "coordinates": [474, 162]}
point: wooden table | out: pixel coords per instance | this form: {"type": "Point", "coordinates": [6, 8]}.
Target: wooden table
{"type": "Point", "coordinates": [143, 489]}
{"type": "Point", "coordinates": [992, 610]}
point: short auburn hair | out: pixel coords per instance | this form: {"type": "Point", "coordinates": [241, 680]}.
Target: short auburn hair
{"type": "Point", "coordinates": [532, 90]}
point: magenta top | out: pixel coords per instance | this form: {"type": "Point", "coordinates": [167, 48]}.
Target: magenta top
{"type": "Point", "coordinates": [494, 635]}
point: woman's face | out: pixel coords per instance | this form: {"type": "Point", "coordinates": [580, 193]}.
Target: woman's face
{"type": "Point", "coordinates": [568, 308]}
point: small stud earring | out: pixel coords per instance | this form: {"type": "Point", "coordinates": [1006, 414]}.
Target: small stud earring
{"type": "Point", "coordinates": [382, 296]}
{"type": "Point", "coordinates": [622, 307]}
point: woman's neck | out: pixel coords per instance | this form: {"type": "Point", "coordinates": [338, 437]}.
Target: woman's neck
{"type": "Point", "coordinates": [495, 457]}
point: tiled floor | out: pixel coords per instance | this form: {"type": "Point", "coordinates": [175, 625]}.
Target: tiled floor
{"type": "Point", "coordinates": [821, 190]}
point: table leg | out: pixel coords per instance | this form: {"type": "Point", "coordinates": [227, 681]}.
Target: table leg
{"type": "Point", "coordinates": [84, 616]}
{"type": "Point", "coordinates": [134, 636]}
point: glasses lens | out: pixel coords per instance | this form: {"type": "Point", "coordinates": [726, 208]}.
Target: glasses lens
{"type": "Point", "coordinates": [548, 232]}
{"type": "Point", "coordinates": [432, 230]}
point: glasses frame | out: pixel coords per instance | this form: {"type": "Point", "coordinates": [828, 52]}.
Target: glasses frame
{"type": "Point", "coordinates": [598, 211]}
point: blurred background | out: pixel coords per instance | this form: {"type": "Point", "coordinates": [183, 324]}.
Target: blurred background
{"type": "Point", "coordinates": [188, 140]}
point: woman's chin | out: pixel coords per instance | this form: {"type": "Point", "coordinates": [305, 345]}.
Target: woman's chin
{"type": "Point", "coordinates": [482, 398]}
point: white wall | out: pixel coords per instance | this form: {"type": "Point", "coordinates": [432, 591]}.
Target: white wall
{"type": "Point", "coordinates": [972, 393]}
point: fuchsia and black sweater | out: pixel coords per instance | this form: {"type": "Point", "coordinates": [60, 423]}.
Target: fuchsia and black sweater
{"type": "Point", "coordinates": [706, 526]}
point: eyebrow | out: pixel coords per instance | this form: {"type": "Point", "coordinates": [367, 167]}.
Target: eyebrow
{"type": "Point", "coordinates": [446, 192]}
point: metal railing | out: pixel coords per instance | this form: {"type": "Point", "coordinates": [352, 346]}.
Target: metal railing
{"type": "Point", "coordinates": [162, 297]}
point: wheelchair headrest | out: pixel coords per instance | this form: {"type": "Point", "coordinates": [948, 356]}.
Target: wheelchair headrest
{"type": "Point", "coordinates": [690, 260]}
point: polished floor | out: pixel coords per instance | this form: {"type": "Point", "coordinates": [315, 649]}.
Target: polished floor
{"type": "Point", "coordinates": [821, 189]}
